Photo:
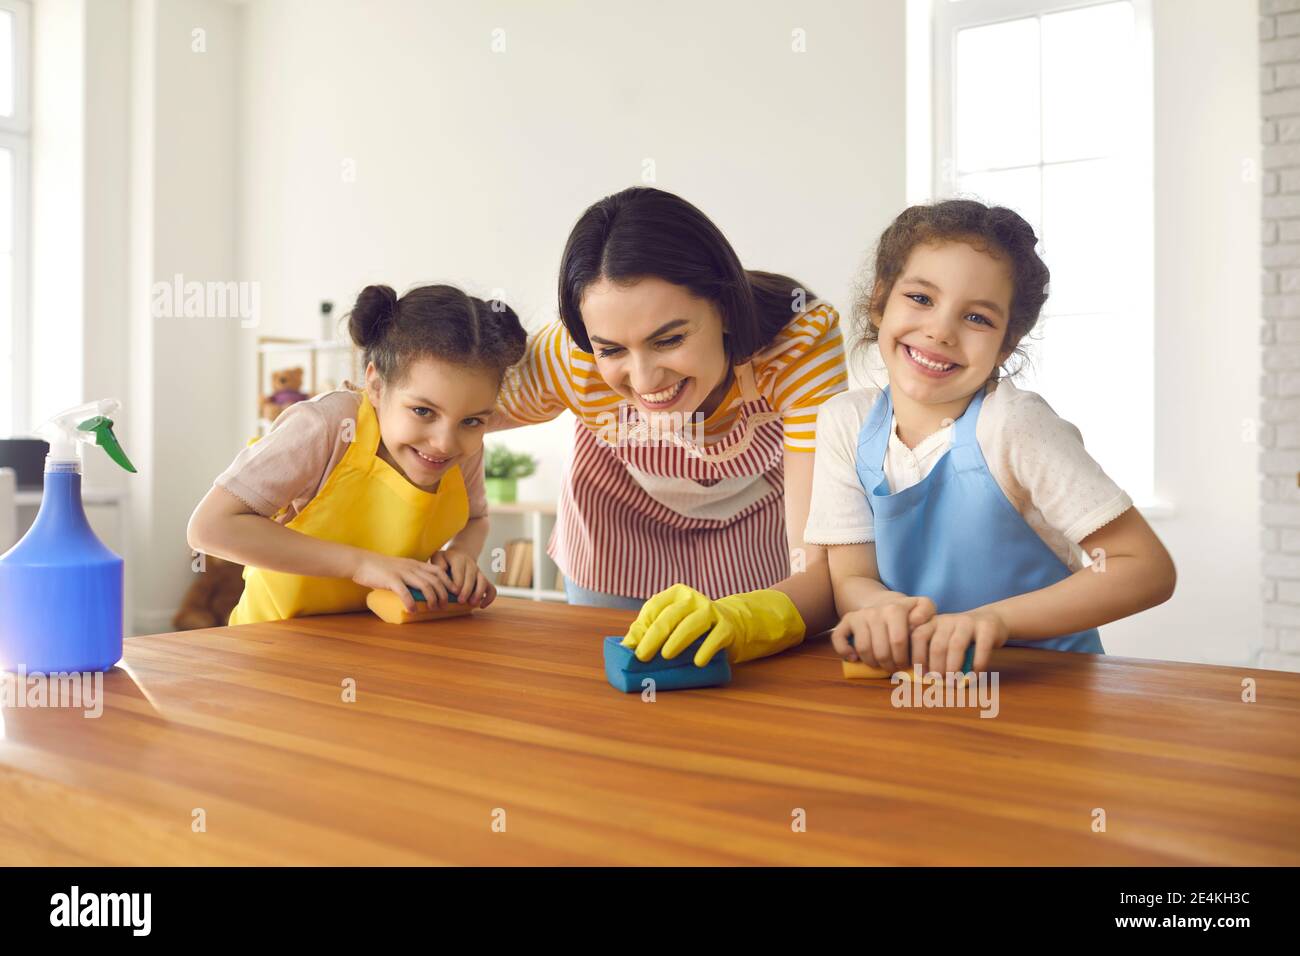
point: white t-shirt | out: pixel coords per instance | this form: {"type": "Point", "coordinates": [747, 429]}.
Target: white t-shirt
{"type": "Point", "coordinates": [1036, 457]}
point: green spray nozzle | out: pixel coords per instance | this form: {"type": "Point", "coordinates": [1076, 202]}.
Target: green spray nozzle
{"type": "Point", "coordinates": [102, 428]}
{"type": "Point", "coordinates": [89, 423]}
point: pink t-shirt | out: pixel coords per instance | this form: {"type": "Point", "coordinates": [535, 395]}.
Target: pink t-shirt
{"type": "Point", "coordinates": [288, 466]}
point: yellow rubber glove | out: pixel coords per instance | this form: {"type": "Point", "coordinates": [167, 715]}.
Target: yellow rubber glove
{"type": "Point", "coordinates": [750, 625]}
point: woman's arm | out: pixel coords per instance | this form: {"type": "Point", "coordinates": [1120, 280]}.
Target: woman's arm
{"type": "Point", "coordinates": [540, 387]}
{"type": "Point", "coordinates": [810, 588]}
{"type": "Point", "coordinates": [1131, 572]}
{"type": "Point", "coordinates": [224, 525]}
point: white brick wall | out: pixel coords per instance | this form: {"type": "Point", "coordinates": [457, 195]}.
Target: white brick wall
{"type": "Point", "coordinates": [1279, 435]}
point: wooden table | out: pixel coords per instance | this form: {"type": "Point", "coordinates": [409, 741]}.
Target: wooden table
{"type": "Point", "coordinates": [505, 717]}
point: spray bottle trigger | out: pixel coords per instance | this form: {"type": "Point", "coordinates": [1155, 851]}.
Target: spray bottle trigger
{"type": "Point", "coordinates": [102, 427]}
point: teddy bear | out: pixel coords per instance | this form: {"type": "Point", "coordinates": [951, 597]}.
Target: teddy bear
{"type": "Point", "coordinates": [286, 388]}
{"type": "Point", "coordinates": [213, 595]}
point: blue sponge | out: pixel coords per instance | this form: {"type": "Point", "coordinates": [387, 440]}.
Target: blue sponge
{"type": "Point", "coordinates": [625, 672]}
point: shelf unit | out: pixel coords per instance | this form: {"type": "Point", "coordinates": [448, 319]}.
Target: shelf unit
{"type": "Point", "coordinates": [275, 345]}
{"type": "Point", "coordinates": [535, 514]}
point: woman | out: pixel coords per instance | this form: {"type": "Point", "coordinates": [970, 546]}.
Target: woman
{"type": "Point", "coordinates": [696, 386]}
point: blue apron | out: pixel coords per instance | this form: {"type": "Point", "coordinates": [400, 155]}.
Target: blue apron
{"type": "Point", "coordinates": [954, 537]}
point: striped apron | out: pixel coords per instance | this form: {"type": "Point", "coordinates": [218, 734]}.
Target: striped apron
{"type": "Point", "coordinates": [637, 516]}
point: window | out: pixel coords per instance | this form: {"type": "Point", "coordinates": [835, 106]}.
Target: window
{"type": "Point", "coordinates": [1045, 106]}
{"type": "Point", "coordinates": [15, 34]}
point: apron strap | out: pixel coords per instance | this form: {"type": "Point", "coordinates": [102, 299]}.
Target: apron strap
{"type": "Point", "coordinates": [873, 440]}
{"type": "Point", "coordinates": [366, 436]}
{"type": "Point", "coordinates": [965, 450]}
{"type": "Point", "coordinates": [745, 375]}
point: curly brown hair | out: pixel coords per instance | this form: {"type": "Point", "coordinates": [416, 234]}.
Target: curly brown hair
{"type": "Point", "coordinates": [995, 230]}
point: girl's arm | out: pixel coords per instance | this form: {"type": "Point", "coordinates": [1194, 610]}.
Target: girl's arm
{"type": "Point", "coordinates": [471, 538]}
{"type": "Point", "coordinates": [1131, 572]}
{"type": "Point", "coordinates": [809, 589]}
{"type": "Point", "coordinates": [224, 525]}
{"type": "Point", "coordinates": [876, 623]}
{"type": "Point", "coordinates": [855, 577]}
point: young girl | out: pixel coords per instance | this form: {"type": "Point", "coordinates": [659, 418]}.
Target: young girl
{"type": "Point", "coordinates": [360, 489]}
{"type": "Point", "coordinates": [957, 507]}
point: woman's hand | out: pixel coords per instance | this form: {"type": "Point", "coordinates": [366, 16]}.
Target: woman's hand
{"type": "Point", "coordinates": [940, 644]}
{"type": "Point", "coordinates": [670, 621]}
{"type": "Point", "coordinates": [747, 626]}
{"type": "Point", "coordinates": [468, 582]}
{"type": "Point", "coordinates": [879, 633]}
{"type": "Point", "coordinates": [400, 575]}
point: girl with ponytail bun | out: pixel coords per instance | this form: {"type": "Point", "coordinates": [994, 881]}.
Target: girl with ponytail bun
{"type": "Point", "coordinates": [378, 485]}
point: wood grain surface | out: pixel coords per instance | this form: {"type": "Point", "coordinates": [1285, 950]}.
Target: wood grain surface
{"type": "Point", "coordinates": [505, 717]}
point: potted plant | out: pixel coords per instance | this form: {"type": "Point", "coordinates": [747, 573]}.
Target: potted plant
{"type": "Point", "coordinates": [502, 468]}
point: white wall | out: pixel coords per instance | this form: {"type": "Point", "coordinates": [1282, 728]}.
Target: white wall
{"type": "Point", "coordinates": [471, 166]}
{"type": "Point", "coordinates": [191, 363]}
{"type": "Point", "coordinates": [133, 179]}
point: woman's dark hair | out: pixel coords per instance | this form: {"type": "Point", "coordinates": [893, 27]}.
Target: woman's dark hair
{"type": "Point", "coordinates": [434, 320]}
{"type": "Point", "coordinates": [996, 230]}
{"type": "Point", "coordinates": [642, 232]}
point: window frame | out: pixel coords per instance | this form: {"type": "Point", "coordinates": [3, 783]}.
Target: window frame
{"type": "Point", "coordinates": [15, 136]}
{"type": "Point", "coordinates": [946, 19]}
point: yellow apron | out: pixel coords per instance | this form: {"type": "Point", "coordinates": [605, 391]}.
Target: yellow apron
{"type": "Point", "coordinates": [366, 503]}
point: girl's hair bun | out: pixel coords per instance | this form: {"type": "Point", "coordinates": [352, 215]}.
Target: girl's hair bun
{"type": "Point", "coordinates": [499, 333]}
{"type": "Point", "coordinates": [373, 315]}
{"type": "Point", "coordinates": [435, 320]}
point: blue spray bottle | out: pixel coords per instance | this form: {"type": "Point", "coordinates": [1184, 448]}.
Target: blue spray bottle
{"type": "Point", "coordinates": [60, 587]}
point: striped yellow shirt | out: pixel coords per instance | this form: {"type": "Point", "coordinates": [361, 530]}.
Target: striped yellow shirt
{"type": "Point", "coordinates": [803, 367]}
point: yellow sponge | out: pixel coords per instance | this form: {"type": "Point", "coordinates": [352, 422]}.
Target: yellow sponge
{"type": "Point", "coordinates": [389, 607]}
{"type": "Point", "coordinates": [929, 677]}
{"type": "Point", "coordinates": [856, 670]}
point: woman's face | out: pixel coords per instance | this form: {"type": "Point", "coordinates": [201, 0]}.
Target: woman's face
{"type": "Point", "coordinates": [657, 345]}
{"type": "Point", "coordinates": [433, 420]}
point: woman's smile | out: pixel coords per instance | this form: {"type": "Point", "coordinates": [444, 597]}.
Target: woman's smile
{"type": "Point", "coordinates": [664, 398]}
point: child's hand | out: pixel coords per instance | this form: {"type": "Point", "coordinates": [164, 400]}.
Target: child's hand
{"type": "Point", "coordinates": [399, 575]}
{"type": "Point", "coordinates": [469, 584]}
{"type": "Point", "coordinates": [940, 643]}
{"type": "Point", "coordinates": [878, 633]}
